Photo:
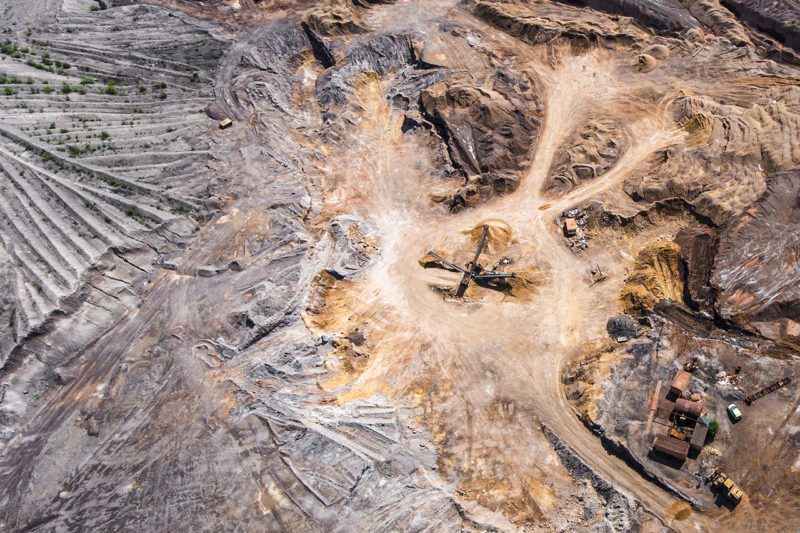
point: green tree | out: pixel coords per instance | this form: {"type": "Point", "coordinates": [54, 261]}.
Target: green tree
{"type": "Point", "coordinates": [713, 428]}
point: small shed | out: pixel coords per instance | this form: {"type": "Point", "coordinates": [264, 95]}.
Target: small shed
{"type": "Point", "coordinates": [570, 227]}
{"type": "Point", "coordinates": [225, 123]}
{"type": "Point", "coordinates": [671, 446]}
{"type": "Point", "coordinates": [688, 408]}
{"type": "Point", "coordinates": [700, 433]}
{"type": "Point", "coordinates": [680, 382]}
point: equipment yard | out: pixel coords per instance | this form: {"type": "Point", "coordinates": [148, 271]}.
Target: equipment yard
{"type": "Point", "coordinates": [420, 265]}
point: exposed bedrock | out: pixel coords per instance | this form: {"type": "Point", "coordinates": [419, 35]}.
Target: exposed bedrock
{"type": "Point", "coordinates": [377, 56]}
{"type": "Point", "coordinates": [488, 138]}
{"type": "Point", "coordinates": [662, 15]}
{"type": "Point", "coordinates": [757, 270]}
{"type": "Point", "coordinates": [354, 247]}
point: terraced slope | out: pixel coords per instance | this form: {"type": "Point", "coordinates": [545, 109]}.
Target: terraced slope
{"type": "Point", "coordinates": [103, 149]}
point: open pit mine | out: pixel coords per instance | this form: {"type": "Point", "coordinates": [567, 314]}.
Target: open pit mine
{"type": "Point", "coordinates": [400, 265]}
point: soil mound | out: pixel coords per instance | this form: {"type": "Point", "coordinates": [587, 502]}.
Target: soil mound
{"type": "Point", "coordinates": [488, 138]}
{"type": "Point", "coordinates": [498, 237]}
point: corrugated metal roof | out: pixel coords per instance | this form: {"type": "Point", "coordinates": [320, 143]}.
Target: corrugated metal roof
{"type": "Point", "coordinates": [681, 381]}
{"type": "Point", "coordinates": [688, 407]}
{"type": "Point", "coordinates": [699, 436]}
{"type": "Point", "coordinates": [670, 445]}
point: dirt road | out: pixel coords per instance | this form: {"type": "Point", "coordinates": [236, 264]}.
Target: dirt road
{"type": "Point", "coordinates": [484, 350]}
{"type": "Point", "coordinates": [524, 345]}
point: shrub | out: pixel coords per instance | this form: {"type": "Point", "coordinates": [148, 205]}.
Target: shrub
{"type": "Point", "coordinates": [713, 428]}
{"type": "Point", "coordinates": [66, 88]}
{"type": "Point", "coordinates": [10, 91]}
{"type": "Point", "coordinates": [111, 88]}
{"type": "Point", "coordinates": [87, 80]}
{"type": "Point", "coordinates": [104, 135]}
{"type": "Point", "coordinates": [47, 89]}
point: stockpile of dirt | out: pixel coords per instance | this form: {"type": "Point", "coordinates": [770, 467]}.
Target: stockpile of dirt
{"type": "Point", "coordinates": [488, 138]}
{"type": "Point", "coordinates": [498, 235]}
{"type": "Point", "coordinates": [590, 153]}
{"type": "Point", "coordinates": [546, 22]}
{"type": "Point", "coordinates": [728, 148]}
{"type": "Point", "coordinates": [719, 19]}
{"type": "Point", "coordinates": [655, 276]}
{"type": "Point", "coordinates": [335, 17]}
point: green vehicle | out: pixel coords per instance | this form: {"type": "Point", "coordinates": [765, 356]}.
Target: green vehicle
{"type": "Point", "coordinates": [735, 413]}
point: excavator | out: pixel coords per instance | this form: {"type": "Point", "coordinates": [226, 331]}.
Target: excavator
{"type": "Point", "coordinates": [473, 270]}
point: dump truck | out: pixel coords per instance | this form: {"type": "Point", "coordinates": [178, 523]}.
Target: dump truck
{"type": "Point", "coordinates": [726, 486]}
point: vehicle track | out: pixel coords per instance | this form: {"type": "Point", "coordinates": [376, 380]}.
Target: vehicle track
{"type": "Point", "coordinates": [461, 339]}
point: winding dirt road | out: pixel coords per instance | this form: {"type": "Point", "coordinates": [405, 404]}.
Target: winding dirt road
{"type": "Point", "coordinates": [525, 345]}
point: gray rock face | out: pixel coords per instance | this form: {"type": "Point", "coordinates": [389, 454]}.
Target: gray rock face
{"type": "Point", "coordinates": [188, 432]}
{"type": "Point", "coordinates": [354, 248]}
{"type": "Point", "coordinates": [623, 326]}
{"type": "Point", "coordinates": [775, 18]}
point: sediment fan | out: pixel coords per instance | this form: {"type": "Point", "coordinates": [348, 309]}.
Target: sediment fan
{"type": "Point", "coordinates": [474, 271]}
